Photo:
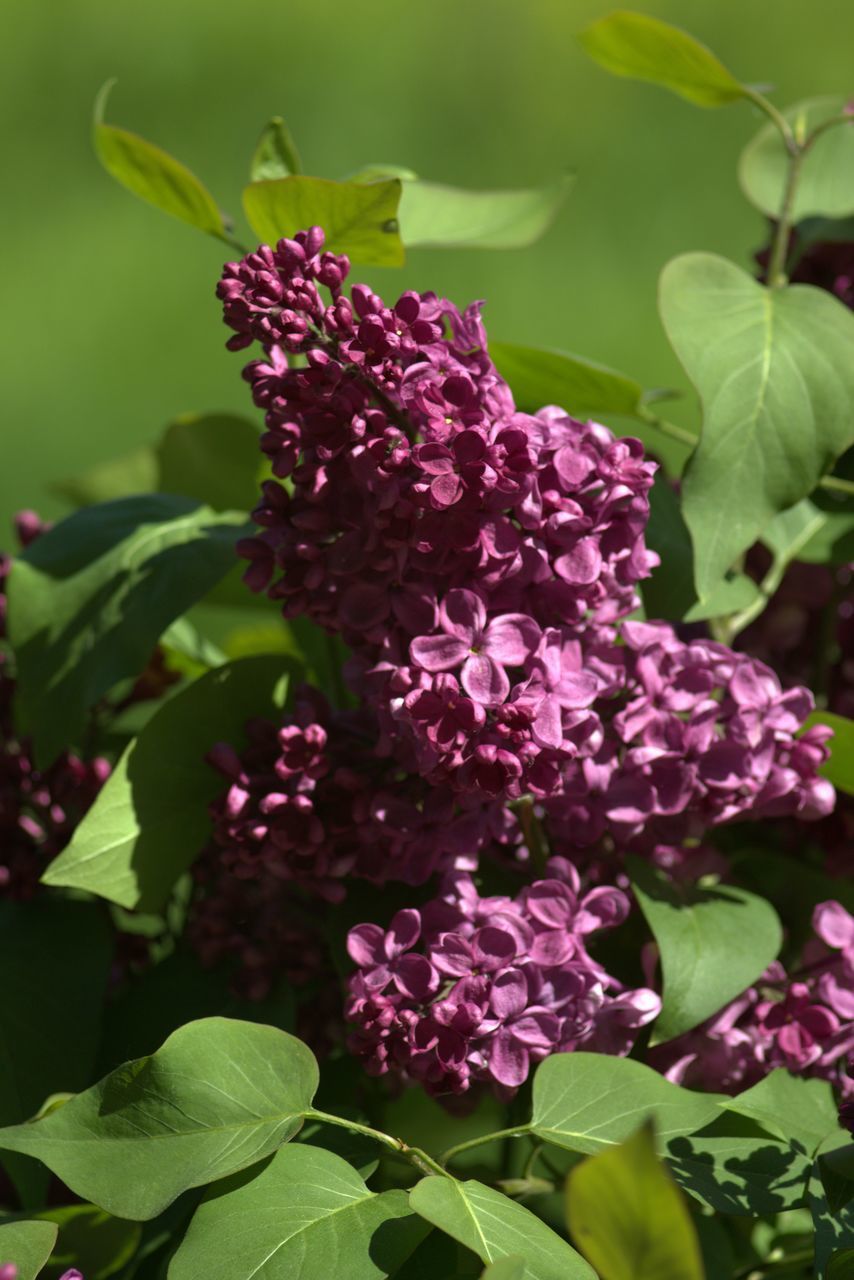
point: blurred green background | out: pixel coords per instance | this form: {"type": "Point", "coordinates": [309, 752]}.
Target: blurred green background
{"type": "Point", "coordinates": [109, 323]}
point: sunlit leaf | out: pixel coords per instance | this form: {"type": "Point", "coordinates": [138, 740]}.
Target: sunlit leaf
{"type": "Point", "coordinates": [152, 174]}
{"type": "Point", "coordinates": [826, 176]}
{"type": "Point", "coordinates": [775, 373]}
{"type": "Point", "coordinates": [359, 220]}
{"type": "Point", "coordinates": [275, 154]}
{"type": "Point", "coordinates": [218, 1096]}
{"type": "Point", "coordinates": [644, 48]}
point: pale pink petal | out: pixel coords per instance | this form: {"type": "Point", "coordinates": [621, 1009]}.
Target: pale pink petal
{"type": "Point", "coordinates": [484, 681]}
{"type": "Point", "coordinates": [511, 639]}
{"type": "Point", "coordinates": [463, 614]}
{"type": "Point", "coordinates": [438, 653]}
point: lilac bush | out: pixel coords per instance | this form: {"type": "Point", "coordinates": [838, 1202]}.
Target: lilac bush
{"type": "Point", "coordinates": [514, 814]}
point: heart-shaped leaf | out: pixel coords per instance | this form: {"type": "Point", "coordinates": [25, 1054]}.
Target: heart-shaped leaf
{"type": "Point", "coordinates": [217, 1096]}
{"type": "Point", "coordinates": [590, 1101]}
{"type": "Point", "coordinates": [306, 1213]}
{"type": "Point", "coordinates": [826, 177]}
{"type": "Point", "coordinates": [713, 944]}
{"type": "Point", "coordinates": [775, 373]}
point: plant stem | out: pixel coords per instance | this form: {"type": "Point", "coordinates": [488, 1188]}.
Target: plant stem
{"type": "Point", "coordinates": [532, 830]}
{"type": "Point", "coordinates": [671, 429]}
{"type": "Point", "coordinates": [423, 1162]}
{"type": "Point", "coordinates": [835, 484]}
{"type": "Point", "coordinates": [776, 276]}
{"type": "Point", "coordinates": [233, 243]}
{"type": "Point", "coordinates": [519, 1132]}
{"type": "Point", "coordinates": [785, 129]}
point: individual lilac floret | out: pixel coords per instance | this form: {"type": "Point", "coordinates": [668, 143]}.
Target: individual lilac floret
{"type": "Point", "coordinates": [473, 990]}
{"type": "Point", "coordinates": [803, 1021]}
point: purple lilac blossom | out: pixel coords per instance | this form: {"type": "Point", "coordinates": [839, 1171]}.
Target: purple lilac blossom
{"type": "Point", "coordinates": [307, 802]}
{"type": "Point", "coordinates": [803, 1021]}
{"type": "Point", "coordinates": [473, 990]}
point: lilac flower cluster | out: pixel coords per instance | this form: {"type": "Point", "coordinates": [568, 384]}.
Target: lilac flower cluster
{"type": "Point", "coordinates": [478, 990]}
{"type": "Point", "coordinates": [694, 735]}
{"type": "Point", "coordinates": [481, 563]}
{"type": "Point", "coordinates": [477, 560]}
{"type": "Point", "coordinates": [307, 802]}
{"type": "Point", "coordinates": [39, 808]}
{"type": "Point", "coordinates": [803, 1021]}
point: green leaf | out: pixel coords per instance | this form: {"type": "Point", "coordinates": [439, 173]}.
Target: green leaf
{"type": "Point", "coordinates": [152, 174]}
{"type": "Point", "coordinates": [214, 458]}
{"type": "Point", "coordinates": [359, 220]}
{"type": "Point", "coordinates": [628, 1217]}
{"type": "Point", "coordinates": [275, 154]}
{"type": "Point", "coordinates": [307, 1213]}
{"type": "Point", "coordinates": [27, 1245]}
{"type": "Point", "coordinates": [669, 592]}
{"type": "Point", "coordinates": [494, 1227]}
{"type": "Point", "coordinates": [588, 1101]}
{"type": "Point", "coordinates": [839, 769]}
{"type": "Point", "coordinates": [791, 1107]}
{"type": "Point", "coordinates": [150, 819]}
{"type": "Point", "coordinates": [826, 178]}
{"type": "Point", "coordinates": [510, 1268]}
{"type": "Point", "coordinates": [90, 1240]}
{"type": "Point", "coordinates": [89, 600]}
{"type": "Point", "coordinates": [643, 48]}
{"type": "Point", "coordinates": [834, 1228]}
{"type": "Point", "coordinates": [744, 1176]}
{"type": "Point", "coordinates": [775, 373]}
{"type": "Point", "coordinates": [440, 217]}
{"type": "Point", "coordinates": [218, 1096]}
{"type": "Point", "coordinates": [211, 457]}
{"type": "Point", "coordinates": [538, 377]}
{"type": "Point", "coordinates": [713, 944]}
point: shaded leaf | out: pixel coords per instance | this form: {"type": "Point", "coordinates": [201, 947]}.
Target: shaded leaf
{"type": "Point", "coordinates": [152, 174]}
{"type": "Point", "coordinates": [775, 374]}
{"type": "Point", "coordinates": [359, 220]}
{"type": "Point", "coordinates": [27, 1245]}
{"type": "Point", "coordinates": [840, 1265]}
{"type": "Point", "coordinates": [834, 1228]}
{"type": "Point", "coordinates": [713, 944]}
{"type": "Point", "coordinates": [826, 178]}
{"type": "Point", "coordinates": [218, 1096]}
{"type": "Point", "coordinates": [588, 1101]}
{"type": "Point", "coordinates": [743, 1176]}
{"type": "Point", "coordinates": [307, 1213]}
{"type": "Point", "coordinates": [150, 820]}
{"type": "Point", "coordinates": [440, 217]}
{"type": "Point", "coordinates": [212, 457]}
{"type": "Point", "coordinates": [494, 1227]}
{"type": "Point", "coordinates": [644, 48]}
{"type": "Point", "coordinates": [89, 599]}
{"type": "Point", "coordinates": [275, 154]}
{"type": "Point", "coordinates": [379, 172]}
{"type": "Point", "coordinates": [628, 1217]}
